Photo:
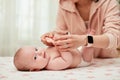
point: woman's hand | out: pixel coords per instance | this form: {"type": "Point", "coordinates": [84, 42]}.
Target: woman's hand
{"type": "Point", "coordinates": [51, 35]}
{"type": "Point", "coordinates": [68, 42]}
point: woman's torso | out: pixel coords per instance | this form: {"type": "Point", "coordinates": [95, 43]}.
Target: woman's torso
{"type": "Point", "coordinates": [75, 23]}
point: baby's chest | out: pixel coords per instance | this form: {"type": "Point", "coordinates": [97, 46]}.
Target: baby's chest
{"type": "Point", "coordinates": [53, 53]}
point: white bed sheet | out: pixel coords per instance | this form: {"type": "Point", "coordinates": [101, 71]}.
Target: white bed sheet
{"type": "Point", "coordinates": [102, 69]}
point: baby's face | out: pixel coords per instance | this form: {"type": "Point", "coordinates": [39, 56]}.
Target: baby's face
{"type": "Point", "coordinates": [36, 57]}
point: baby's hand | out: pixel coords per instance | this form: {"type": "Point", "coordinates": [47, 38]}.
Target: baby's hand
{"type": "Point", "coordinates": [49, 40]}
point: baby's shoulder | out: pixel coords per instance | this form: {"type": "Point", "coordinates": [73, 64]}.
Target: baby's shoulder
{"type": "Point", "coordinates": [52, 51]}
{"type": "Point", "coordinates": [51, 48]}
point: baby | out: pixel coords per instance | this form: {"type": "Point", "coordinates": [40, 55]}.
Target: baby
{"type": "Point", "coordinates": [31, 58]}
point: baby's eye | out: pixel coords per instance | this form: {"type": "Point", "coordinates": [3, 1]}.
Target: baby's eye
{"type": "Point", "coordinates": [35, 57]}
{"type": "Point", "coordinates": [36, 49]}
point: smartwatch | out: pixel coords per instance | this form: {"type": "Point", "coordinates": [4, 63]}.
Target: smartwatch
{"type": "Point", "coordinates": [90, 40]}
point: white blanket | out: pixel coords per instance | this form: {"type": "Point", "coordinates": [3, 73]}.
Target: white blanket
{"type": "Point", "coordinates": [101, 69]}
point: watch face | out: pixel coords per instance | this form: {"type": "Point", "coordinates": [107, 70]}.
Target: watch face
{"type": "Point", "coordinates": [90, 39]}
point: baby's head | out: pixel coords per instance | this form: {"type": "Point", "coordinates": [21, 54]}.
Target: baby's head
{"type": "Point", "coordinates": [30, 58]}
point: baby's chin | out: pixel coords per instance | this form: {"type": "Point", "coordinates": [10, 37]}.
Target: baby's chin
{"type": "Point", "coordinates": [46, 56]}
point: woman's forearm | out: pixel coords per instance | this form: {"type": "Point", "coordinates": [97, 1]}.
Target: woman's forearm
{"type": "Point", "coordinates": [100, 41]}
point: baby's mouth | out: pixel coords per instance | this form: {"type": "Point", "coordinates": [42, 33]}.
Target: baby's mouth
{"type": "Point", "coordinates": [44, 55]}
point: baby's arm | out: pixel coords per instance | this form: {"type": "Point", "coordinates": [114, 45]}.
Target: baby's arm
{"type": "Point", "coordinates": [61, 62]}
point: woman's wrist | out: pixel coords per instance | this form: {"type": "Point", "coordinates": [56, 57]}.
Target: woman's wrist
{"type": "Point", "coordinates": [88, 40]}
{"type": "Point", "coordinates": [84, 37]}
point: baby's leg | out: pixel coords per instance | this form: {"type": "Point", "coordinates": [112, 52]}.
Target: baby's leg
{"type": "Point", "coordinates": [87, 54]}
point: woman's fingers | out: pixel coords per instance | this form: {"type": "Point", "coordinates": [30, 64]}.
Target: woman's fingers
{"type": "Point", "coordinates": [63, 42]}
{"type": "Point", "coordinates": [64, 46]}
{"type": "Point", "coordinates": [72, 41]}
{"type": "Point", "coordinates": [63, 37]}
{"type": "Point", "coordinates": [61, 32]}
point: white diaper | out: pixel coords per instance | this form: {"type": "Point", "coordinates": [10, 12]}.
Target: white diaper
{"type": "Point", "coordinates": [83, 63]}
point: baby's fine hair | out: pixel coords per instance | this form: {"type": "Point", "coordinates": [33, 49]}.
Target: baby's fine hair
{"type": "Point", "coordinates": [19, 64]}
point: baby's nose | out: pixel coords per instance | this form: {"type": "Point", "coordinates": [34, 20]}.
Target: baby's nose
{"type": "Point", "coordinates": [41, 53]}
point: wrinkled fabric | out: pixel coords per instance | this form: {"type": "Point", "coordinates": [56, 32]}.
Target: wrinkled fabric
{"type": "Point", "coordinates": [104, 19]}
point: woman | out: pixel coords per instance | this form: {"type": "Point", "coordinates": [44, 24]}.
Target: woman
{"type": "Point", "coordinates": [93, 23]}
